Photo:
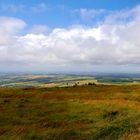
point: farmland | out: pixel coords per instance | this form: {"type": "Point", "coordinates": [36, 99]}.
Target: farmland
{"type": "Point", "coordinates": [43, 80]}
{"type": "Point", "coordinates": [63, 80]}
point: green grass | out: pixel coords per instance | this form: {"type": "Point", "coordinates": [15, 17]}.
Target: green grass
{"type": "Point", "coordinates": [90, 112]}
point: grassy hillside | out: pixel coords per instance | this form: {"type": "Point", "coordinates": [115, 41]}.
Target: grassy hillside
{"type": "Point", "coordinates": [90, 112]}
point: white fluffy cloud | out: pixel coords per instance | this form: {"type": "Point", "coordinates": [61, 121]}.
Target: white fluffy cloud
{"type": "Point", "coordinates": [110, 43]}
{"type": "Point", "coordinates": [8, 28]}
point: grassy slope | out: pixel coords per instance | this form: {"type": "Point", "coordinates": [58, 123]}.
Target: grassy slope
{"type": "Point", "coordinates": [75, 113]}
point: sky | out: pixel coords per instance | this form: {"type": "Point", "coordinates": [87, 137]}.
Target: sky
{"type": "Point", "coordinates": [70, 35]}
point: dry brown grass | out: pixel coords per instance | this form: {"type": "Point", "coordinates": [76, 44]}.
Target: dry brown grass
{"type": "Point", "coordinates": [79, 112]}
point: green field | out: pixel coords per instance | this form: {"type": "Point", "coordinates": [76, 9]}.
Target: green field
{"type": "Point", "coordinates": [43, 80]}
{"type": "Point", "coordinates": [87, 112]}
{"type": "Point", "coordinates": [62, 80]}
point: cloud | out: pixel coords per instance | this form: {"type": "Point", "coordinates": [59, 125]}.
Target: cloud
{"type": "Point", "coordinates": [39, 29]}
{"type": "Point", "coordinates": [21, 8]}
{"type": "Point", "coordinates": [91, 13]}
{"type": "Point", "coordinates": [102, 16]}
{"type": "Point", "coordinates": [9, 27]}
{"type": "Point", "coordinates": [111, 43]}
{"type": "Point", "coordinates": [41, 7]}
{"type": "Point", "coordinates": [13, 8]}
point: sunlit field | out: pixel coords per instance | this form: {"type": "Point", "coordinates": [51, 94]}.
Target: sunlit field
{"type": "Point", "coordinates": [86, 112]}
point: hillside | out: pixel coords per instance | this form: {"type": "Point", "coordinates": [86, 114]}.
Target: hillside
{"type": "Point", "coordinates": [70, 113]}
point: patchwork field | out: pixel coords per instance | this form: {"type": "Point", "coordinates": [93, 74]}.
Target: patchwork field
{"type": "Point", "coordinates": [43, 80]}
{"type": "Point", "coordinates": [64, 80]}
{"type": "Point", "coordinates": [86, 112]}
